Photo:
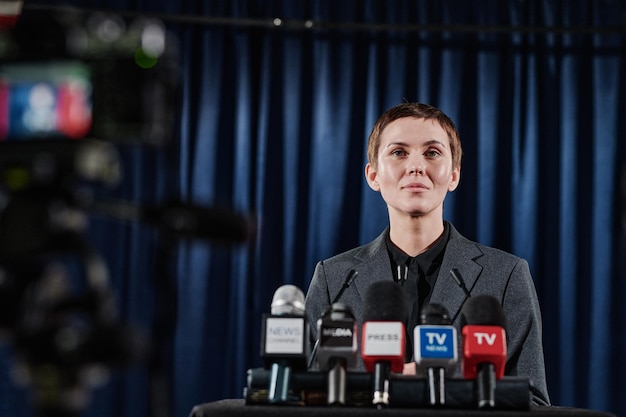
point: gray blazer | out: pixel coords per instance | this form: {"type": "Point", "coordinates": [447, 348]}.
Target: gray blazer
{"type": "Point", "coordinates": [485, 270]}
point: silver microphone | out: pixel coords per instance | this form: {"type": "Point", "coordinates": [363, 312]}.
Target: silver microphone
{"type": "Point", "coordinates": [284, 343]}
{"type": "Point", "coordinates": [288, 299]}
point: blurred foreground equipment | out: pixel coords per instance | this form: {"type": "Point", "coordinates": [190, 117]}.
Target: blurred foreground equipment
{"type": "Point", "coordinates": [73, 89]}
{"type": "Point", "coordinates": [56, 305]}
{"type": "Point", "coordinates": [74, 75]}
{"type": "Point", "coordinates": [67, 333]}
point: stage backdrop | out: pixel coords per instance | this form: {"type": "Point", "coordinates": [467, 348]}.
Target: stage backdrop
{"type": "Point", "coordinates": [273, 122]}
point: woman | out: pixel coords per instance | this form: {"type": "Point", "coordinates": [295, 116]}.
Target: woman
{"type": "Point", "coordinates": [414, 160]}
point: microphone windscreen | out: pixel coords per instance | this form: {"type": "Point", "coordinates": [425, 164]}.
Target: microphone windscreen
{"type": "Point", "coordinates": [385, 301]}
{"type": "Point", "coordinates": [288, 299]}
{"type": "Point", "coordinates": [434, 314]}
{"type": "Point", "coordinates": [483, 310]}
{"type": "Point", "coordinates": [187, 220]}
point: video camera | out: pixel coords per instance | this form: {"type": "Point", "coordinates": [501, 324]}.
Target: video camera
{"type": "Point", "coordinates": [78, 76]}
{"type": "Point", "coordinates": [73, 88]}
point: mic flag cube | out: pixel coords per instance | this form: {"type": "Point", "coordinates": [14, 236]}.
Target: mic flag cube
{"type": "Point", "coordinates": [383, 341]}
{"type": "Point", "coordinates": [285, 338]}
{"type": "Point", "coordinates": [436, 346]}
{"type": "Point", "coordinates": [483, 344]}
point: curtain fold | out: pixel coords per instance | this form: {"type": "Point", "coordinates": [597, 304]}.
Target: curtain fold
{"type": "Point", "coordinates": [274, 122]}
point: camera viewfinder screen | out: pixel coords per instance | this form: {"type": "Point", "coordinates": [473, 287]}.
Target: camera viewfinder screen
{"type": "Point", "coordinates": [45, 100]}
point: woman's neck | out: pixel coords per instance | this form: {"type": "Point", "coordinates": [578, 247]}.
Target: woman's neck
{"type": "Point", "coordinates": [414, 235]}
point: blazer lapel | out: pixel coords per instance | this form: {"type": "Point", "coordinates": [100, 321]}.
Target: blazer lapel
{"type": "Point", "coordinates": [461, 255]}
{"type": "Point", "coordinates": [374, 266]}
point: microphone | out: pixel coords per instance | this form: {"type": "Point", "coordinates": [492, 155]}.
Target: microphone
{"type": "Point", "coordinates": [283, 341]}
{"type": "Point", "coordinates": [435, 350]}
{"type": "Point", "coordinates": [190, 221]}
{"type": "Point", "coordinates": [184, 220]}
{"type": "Point", "coordinates": [458, 278]}
{"type": "Point", "coordinates": [484, 346]}
{"type": "Point", "coordinates": [337, 330]}
{"type": "Point", "coordinates": [456, 275]}
{"type": "Point", "coordinates": [346, 283]}
{"type": "Point", "coordinates": [383, 335]}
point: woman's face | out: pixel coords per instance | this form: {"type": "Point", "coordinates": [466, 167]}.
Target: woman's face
{"type": "Point", "coordinates": [414, 169]}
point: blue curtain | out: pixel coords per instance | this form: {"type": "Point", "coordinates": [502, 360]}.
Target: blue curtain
{"type": "Point", "coordinates": [274, 119]}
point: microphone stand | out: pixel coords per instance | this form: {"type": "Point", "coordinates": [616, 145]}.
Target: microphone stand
{"type": "Point", "coordinates": [486, 386]}
{"type": "Point", "coordinates": [436, 386]}
{"type": "Point", "coordinates": [337, 376]}
{"type": "Point", "coordinates": [381, 384]}
{"type": "Point", "coordinates": [163, 330]}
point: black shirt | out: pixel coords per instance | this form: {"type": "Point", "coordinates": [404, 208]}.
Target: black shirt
{"type": "Point", "coordinates": [417, 275]}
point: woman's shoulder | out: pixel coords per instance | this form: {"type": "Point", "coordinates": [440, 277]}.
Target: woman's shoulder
{"type": "Point", "coordinates": [358, 253]}
{"type": "Point", "coordinates": [488, 253]}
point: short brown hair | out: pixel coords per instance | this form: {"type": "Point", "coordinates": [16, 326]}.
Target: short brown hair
{"type": "Point", "coordinates": [417, 111]}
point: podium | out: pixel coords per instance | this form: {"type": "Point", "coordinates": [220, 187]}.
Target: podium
{"type": "Point", "coordinates": [238, 408]}
{"type": "Point", "coordinates": [407, 398]}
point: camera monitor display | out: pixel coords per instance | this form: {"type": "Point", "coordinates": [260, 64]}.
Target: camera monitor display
{"type": "Point", "coordinates": [45, 100]}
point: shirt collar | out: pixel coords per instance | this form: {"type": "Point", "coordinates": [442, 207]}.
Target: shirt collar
{"type": "Point", "coordinates": [425, 259]}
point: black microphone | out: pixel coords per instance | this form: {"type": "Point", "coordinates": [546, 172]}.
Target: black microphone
{"type": "Point", "coordinates": [458, 278]}
{"type": "Point", "coordinates": [191, 221]}
{"type": "Point", "coordinates": [184, 220]}
{"type": "Point", "coordinates": [460, 282]}
{"type": "Point", "coordinates": [484, 346]}
{"type": "Point", "coordinates": [383, 335]}
{"type": "Point", "coordinates": [336, 353]}
{"type": "Point", "coordinates": [436, 350]}
{"type": "Point", "coordinates": [284, 345]}
{"type": "Point", "coordinates": [346, 283]}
